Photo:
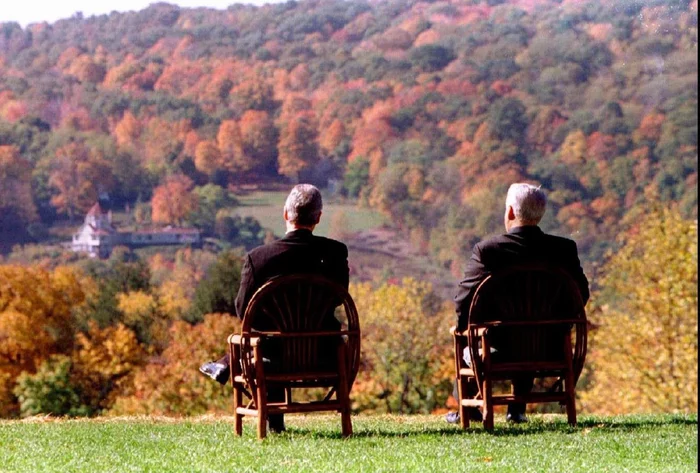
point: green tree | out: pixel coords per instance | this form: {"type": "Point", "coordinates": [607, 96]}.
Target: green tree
{"type": "Point", "coordinates": [216, 292]}
{"type": "Point", "coordinates": [356, 176]}
{"type": "Point", "coordinates": [508, 120]}
{"type": "Point", "coordinates": [210, 199]}
{"type": "Point", "coordinates": [431, 57]}
{"type": "Point", "coordinates": [115, 277]}
{"type": "Point", "coordinates": [49, 390]}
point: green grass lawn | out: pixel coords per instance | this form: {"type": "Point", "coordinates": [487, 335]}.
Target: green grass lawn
{"type": "Point", "coordinates": [266, 207]}
{"type": "Point", "coordinates": [381, 444]}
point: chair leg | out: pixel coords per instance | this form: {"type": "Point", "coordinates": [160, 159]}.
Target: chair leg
{"type": "Point", "coordinates": [237, 389]}
{"type": "Point", "coordinates": [262, 424]}
{"type": "Point", "coordinates": [261, 393]}
{"type": "Point", "coordinates": [488, 404]}
{"type": "Point", "coordinates": [569, 383]}
{"type": "Point", "coordinates": [343, 393]}
{"type": "Point", "coordinates": [237, 402]}
{"type": "Point", "coordinates": [463, 410]}
{"type": "Point", "coordinates": [570, 398]}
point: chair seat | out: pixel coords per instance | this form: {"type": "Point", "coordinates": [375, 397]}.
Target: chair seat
{"type": "Point", "coordinates": [503, 399]}
{"type": "Point", "coordinates": [295, 408]}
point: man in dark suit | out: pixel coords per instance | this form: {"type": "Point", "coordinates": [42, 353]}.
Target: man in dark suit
{"type": "Point", "coordinates": [523, 243]}
{"type": "Point", "coordinates": [299, 251]}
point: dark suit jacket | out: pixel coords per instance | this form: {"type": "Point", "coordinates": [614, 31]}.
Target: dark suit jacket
{"type": "Point", "coordinates": [298, 251]}
{"type": "Point", "coordinates": [528, 244]}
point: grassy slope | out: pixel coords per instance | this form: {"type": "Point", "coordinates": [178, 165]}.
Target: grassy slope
{"type": "Point", "coordinates": [267, 208]}
{"type": "Point", "coordinates": [381, 443]}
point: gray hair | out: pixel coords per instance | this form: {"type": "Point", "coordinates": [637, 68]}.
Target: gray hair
{"type": "Point", "coordinates": [528, 202]}
{"type": "Point", "coordinates": [304, 205]}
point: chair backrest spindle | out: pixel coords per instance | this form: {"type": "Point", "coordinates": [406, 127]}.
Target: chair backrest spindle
{"type": "Point", "coordinates": [289, 312]}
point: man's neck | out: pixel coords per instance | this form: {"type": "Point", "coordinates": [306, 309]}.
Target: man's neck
{"type": "Point", "coordinates": [521, 223]}
{"type": "Point", "coordinates": [293, 228]}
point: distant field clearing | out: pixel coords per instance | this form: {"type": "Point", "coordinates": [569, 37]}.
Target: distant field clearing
{"type": "Point", "coordinates": [266, 207]}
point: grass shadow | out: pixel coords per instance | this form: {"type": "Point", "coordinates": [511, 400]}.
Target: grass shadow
{"type": "Point", "coordinates": [534, 427]}
{"type": "Point", "coordinates": [380, 433]}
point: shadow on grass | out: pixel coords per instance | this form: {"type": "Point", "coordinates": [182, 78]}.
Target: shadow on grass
{"type": "Point", "coordinates": [586, 425]}
{"type": "Point", "coordinates": [533, 427]}
{"type": "Point", "coordinates": [382, 433]}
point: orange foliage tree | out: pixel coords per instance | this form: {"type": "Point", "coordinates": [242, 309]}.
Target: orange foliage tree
{"type": "Point", "coordinates": [259, 136]}
{"type": "Point", "coordinates": [207, 157]}
{"type": "Point", "coordinates": [173, 200]}
{"type": "Point", "coordinates": [16, 190]}
{"type": "Point", "coordinates": [78, 177]}
{"type": "Point", "coordinates": [231, 147]}
{"type": "Point", "coordinates": [128, 130]}
{"type": "Point", "coordinates": [298, 149]}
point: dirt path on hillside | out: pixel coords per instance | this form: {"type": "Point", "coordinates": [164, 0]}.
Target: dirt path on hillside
{"type": "Point", "coordinates": [384, 254]}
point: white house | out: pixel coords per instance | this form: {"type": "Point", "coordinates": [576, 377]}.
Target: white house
{"type": "Point", "coordinates": [97, 236]}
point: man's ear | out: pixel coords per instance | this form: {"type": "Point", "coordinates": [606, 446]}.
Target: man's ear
{"type": "Point", "coordinates": [319, 217]}
{"type": "Point", "coordinates": [511, 213]}
{"type": "Point", "coordinates": [284, 215]}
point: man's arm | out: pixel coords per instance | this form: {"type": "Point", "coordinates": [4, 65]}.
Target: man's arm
{"type": "Point", "coordinates": [474, 273]}
{"type": "Point", "coordinates": [335, 265]}
{"type": "Point", "coordinates": [247, 287]}
{"type": "Point", "coordinates": [344, 269]}
{"type": "Point", "coordinates": [576, 271]}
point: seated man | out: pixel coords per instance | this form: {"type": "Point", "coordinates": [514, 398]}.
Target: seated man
{"type": "Point", "coordinates": [299, 251]}
{"type": "Point", "coordinates": [523, 243]}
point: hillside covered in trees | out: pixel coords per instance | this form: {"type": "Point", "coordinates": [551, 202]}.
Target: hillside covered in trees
{"type": "Point", "coordinates": [426, 110]}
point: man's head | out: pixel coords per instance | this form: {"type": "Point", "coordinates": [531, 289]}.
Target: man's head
{"type": "Point", "coordinates": [525, 205]}
{"type": "Point", "coordinates": [303, 207]}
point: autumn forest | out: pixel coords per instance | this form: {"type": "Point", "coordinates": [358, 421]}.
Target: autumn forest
{"type": "Point", "coordinates": [424, 111]}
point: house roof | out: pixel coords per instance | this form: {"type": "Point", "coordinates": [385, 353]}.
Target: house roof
{"type": "Point", "coordinates": [168, 229]}
{"type": "Point", "coordinates": [96, 210]}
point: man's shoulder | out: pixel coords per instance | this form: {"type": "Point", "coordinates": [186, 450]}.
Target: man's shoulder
{"type": "Point", "coordinates": [558, 240]}
{"type": "Point", "coordinates": [492, 242]}
{"type": "Point", "coordinates": [265, 251]}
{"type": "Point", "coordinates": [330, 245]}
{"type": "Point", "coordinates": [282, 245]}
{"type": "Point", "coordinates": [533, 239]}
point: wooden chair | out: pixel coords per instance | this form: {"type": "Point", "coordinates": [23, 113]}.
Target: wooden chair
{"type": "Point", "coordinates": [536, 312]}
{"type": "Point", "coordinates": [286, 324]}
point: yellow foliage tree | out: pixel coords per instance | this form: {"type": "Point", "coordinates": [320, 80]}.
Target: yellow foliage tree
{"type": "Point", "coordinates": [143, 313]}
{"type": "Point", "coordinates": [406, 363]}
{"type": "Point", "coordinates": [172, 384]}
{"type": "Point", "coordinates": [35, 322]}
{"type": "Point", "coordinates": [104, 363]}
{"type": "Point", "coordinates": [573, 150]}
{"type": "Point", "coordinates": [644, 351]}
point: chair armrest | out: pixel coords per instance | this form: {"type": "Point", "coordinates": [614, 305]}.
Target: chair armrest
{"type": "Point", "coordinates": [238, 340]}
{"type": "Point", "coordinates": [481, 331]}
{"type": "Point", "coordinates": [457, 333]}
